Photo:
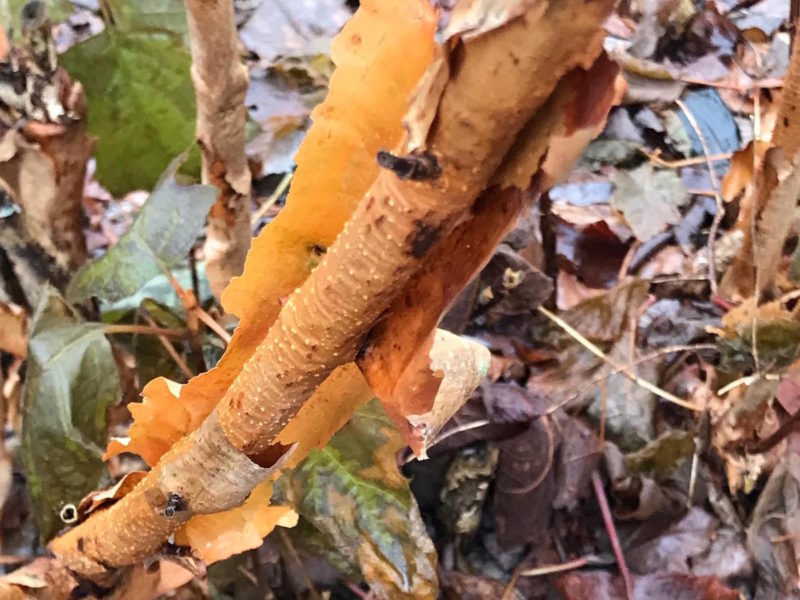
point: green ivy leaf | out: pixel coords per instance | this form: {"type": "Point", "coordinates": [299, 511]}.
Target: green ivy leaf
{"type": "Point", "coordinates": [141, 103]}
{"type": "Point", "coordinates": [160, 238]}
{"type": "Point", "coordinates": [352, 492]}
{"type": "Point", "coordinates": [70, 382]}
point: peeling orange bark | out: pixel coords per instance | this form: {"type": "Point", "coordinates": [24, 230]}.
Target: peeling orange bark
{"type": "Point", "coordinates": [497, 82]}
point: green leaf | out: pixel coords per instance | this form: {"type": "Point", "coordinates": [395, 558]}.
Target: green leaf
{"type": "Point", "coordinates": [160, 238]}
{"type": "Point", "coordinates": [353, 494]}
{"type": "Point", "coordinates": [152, 15]}
{"type": "Point", "coordinates": [649, 199]}
{"type": "Point", "coordinates": [57, 10]}
{"type": "Point", "coordinates": [71, 379]}
{"type": "Point", "coordinates": [141, 103]}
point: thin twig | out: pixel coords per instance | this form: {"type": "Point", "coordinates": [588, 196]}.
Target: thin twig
{"type": "Point", "coordinates": [287, 543]}
{"type": "Point", "coordinates": [608, 521]}
{"type": "Point", "coordinates": [685, 162]}
{"type": "Point", "coordinates": [550, 569]}
{"type": "Point", "coordinates": [124, 328]}
{"type": "Point", "coordinates": [273, 198]}
{"type": "Point", "coordinates": [712, 233]}
{"type": "Point", "coordinates": [576, 335]}
{"type": "Point", "coordinates": [169, 348]}
{"type": "Point", "coordinates": [212, 324]}
{"type": "Point", "coordinates": [450, 432]}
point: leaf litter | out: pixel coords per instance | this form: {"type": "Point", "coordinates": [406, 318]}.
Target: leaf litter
{"type": "Point", "coordinates": [702, 500]}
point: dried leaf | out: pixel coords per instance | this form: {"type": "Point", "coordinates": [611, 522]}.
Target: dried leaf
{"type": "Point", "coordinates": [649, 199]}
{"type": "Point", "coordinates": [158, 240]}
{"type": "Point", "coordinates": [71, 380]}
{"type": "Point", "coordinates": [353, 493]}
{"type": "Point", "coordinates": [13, 330]}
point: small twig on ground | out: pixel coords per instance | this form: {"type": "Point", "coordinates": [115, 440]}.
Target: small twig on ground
{"type": "Point", "coordinates": [209, 322]}
{"type": "Point", "coordinates": [450, 432]}
{"type": "Point", "coordinates": [168, 347]}
{"type": "Point", "coordinates": [712, 233]}
{"type": "Point", "coordinates": [273, 198]}
{"type": "Point", "coordinates": [685, 162]}
{"type": "Point", "coordinates": [576, 335]}
{"type": "Point", "coordinates": [608, 520]}
{"type": "Point", "coordinates": [122, 328]}
{"type": "Point", "coordinates": [287, 543]}
{"type": "Point", "coordinates": [567, 566]}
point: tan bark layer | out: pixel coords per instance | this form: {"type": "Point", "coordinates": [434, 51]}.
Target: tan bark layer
{"type": "Point", "coordinates": [220, 83]}
{"type": "Point", "coordinates": [498, 80]}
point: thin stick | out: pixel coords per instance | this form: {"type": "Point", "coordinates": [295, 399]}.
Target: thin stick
{"type": "Point", "coordinates": [685, 162]}
{"type": "Point", "coordinates": [712, 233]}
{"type": "Point", "coordinates": [576, 335]}
{"type": "Point", "coordinates": [549, 569]}
{"type": "Point", "coordinates": [608, 521]}
{"type": "Point", "coordinates": [209, 322]}
{"type": "Point", "coordinates": [287, 543]}
{"type": "Point", "coordinates": [446, 434]}
{"type": "Point", "coordinates": [123, 328]}
{"type": "Point", "coordinates": [273, 198]}
{"type": "Point", "coordinates": [169, 348]}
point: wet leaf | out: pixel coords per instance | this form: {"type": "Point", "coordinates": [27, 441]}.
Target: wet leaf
{"type": "Point", "coordinates": [353, 493]}
{"type": "Point", "coordinates": [602, 585]}
{"type": "Point", "coordinates": [141, 101]}
{"type": "Point", "coordinates": [649, 199]}
{"type": "Point", "coordinates": [158, 240]}
{"type": "Point", "coordinates": [71, 380]}
{"type": "Point", "coordinates": [771, 536]}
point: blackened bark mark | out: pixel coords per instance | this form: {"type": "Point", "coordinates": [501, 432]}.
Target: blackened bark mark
{"type": "Point", "coordinates": [417, 166]}
{"type": "Point", "coordinates": [423, 237]}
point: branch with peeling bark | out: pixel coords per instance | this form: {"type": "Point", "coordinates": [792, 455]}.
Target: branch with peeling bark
{"type": "Point", "coordinates": [459, 176]}
{"type": "Point", "coordinates": [220, 82]}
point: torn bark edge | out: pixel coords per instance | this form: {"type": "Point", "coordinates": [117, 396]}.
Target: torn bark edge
{"type": "Point", "coordinates": [395, 357]}
{"type": "Point", "coordinates": [201, 474]}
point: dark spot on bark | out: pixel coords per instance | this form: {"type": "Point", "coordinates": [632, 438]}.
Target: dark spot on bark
{"type": "Point", "coordinates": [267, 457]}
{"type": "Point", "coordinates": [87, 588]}
{"type": "Point", "coordinates": [423, 237]}
{"type": "Point", "coordinates": [170, 549]}
{"type": "Point", "coordinates": [785, 121]}
{"type": "Point", "coordinates": [379, 221]}
{"type": "Point", "coordinates": [80, 544]}
{"type": "Point", "coordinates": [175, 504]}
{"type": "Point", "coordinates": [417, 166]}
{"type": "Point", "coordinates": [514, 58]}
{"type": "Point", "coordinates": [356, 39]}
{"type": "Point", "coordinates": [456, 59]}
{"type": "Point", "coordinates": [370, 202]}
{"type": "Point", "coordinates": [318, 249]}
